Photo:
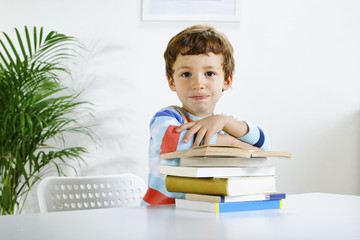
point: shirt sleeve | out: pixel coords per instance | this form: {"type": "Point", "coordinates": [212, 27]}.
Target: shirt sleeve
{"type": "Point", "coordinates": [164, 137]}
{"type": "Point", "coordinates": [257, 136]}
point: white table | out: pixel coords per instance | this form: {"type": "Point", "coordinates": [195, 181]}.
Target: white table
{"type": "Point", "coordinates": [304, 216]}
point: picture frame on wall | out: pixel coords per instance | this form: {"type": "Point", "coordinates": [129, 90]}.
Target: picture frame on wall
{"type": "Point", "coordinates": [191, 10]}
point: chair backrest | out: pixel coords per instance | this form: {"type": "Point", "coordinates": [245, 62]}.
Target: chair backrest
{"type": "Point", "coordinates": [80, 193]}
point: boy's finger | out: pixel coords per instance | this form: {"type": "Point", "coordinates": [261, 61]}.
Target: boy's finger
{"type": "Point", "coordinates": [207, 138]}
{"type": "Point", "coordinates": [190, 133]}
{"type": "Point", "coordinates": [197, 141]}
{"type": "Point", "coordinates": [184, 126]}
{"type": "Point", "coordinates": [199, 137]}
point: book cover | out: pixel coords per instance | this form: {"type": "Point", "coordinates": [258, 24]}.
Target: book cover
{"type": "Point", "coordinates": [216, 171]}
{"type": "Point", "coordinates": [223, 162]}
{"type": "Point", "coordinates": [224, 199]}
{"type": "Point", "coordinates": [224, 150]}
{"type": "Point", "coordinates": [232, 186]}
{"type": "Point", "coordinates": [227, 207]}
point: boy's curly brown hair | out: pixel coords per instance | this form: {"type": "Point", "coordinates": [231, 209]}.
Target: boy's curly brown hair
{"type": "Point", "coordinates": [200, 39]}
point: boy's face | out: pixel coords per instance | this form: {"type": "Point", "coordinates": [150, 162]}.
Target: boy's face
{"type": "Point", "coordinates": [199, 81]}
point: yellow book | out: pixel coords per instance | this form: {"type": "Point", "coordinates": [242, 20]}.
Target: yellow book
{"type": "Point", "coordinates": [232, 186]}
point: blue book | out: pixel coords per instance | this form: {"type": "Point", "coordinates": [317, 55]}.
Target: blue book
{"type": "Point", "coordinates": [227, 207]}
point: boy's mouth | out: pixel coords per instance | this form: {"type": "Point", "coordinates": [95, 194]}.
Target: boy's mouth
{"type": "Point", "coordinates": [199, 97]}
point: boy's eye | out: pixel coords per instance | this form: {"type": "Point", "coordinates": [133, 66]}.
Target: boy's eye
{"type": "Point", "coordinates": [186, 74]}
{"type": "Point", "coordinates": [209, 74]}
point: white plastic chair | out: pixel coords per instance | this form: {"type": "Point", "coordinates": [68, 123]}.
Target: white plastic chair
{"type": "Point", "coordinates": [80, 193]}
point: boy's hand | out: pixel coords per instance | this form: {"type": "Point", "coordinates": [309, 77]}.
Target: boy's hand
{"type": "Point", "coordinates": [209, 126]}
{"type": "Point", "coordinates": [205, 129]}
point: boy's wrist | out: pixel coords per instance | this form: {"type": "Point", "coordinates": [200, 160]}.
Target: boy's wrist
{"type": "Point", "coordinates": [245, 128]}
{"type": "Point", "coordinates": [224, 139]}
{"type": "Point", "coordinates": [234, 127]}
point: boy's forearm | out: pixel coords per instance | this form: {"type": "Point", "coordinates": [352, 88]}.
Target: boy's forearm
{"type": "Point", "coordinates": [247, 133]}
{"type": "Point", "coordinates": [224, 139]}
{"type": "Point", "coordinates": [234, 127]}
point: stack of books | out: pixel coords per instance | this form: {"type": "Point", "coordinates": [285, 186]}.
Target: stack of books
{"type": "Point", "coordinates": [218, 178]}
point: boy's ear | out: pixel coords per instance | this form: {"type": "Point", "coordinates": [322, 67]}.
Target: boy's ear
{"type": "Point", "coordinates": [171, 83]}
{"type": "Point", "coordinates": [227, 83]}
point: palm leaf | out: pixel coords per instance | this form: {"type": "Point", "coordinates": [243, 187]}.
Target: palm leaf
{"type": "Point", "coordinates": [33, 111]}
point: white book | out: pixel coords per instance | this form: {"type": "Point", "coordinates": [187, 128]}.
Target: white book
{"type": "Point", "coordinates": [219, 172]}
{"type": "Point", "coordinates": [223, 162]}
{"type": "Point", "coordinates": [242, 198]}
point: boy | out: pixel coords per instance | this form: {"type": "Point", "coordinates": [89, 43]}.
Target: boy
{"type": "Point", "coordinates": [199, 67]}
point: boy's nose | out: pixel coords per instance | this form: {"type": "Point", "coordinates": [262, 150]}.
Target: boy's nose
{"type": "Point", "coordinates": [198, 82]}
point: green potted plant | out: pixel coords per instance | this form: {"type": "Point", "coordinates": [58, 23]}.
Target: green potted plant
{"type": "Point", "coordinates": [36, 111]}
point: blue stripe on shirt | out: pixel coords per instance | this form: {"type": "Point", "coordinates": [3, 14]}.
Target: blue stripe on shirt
{"type": "Point", "coordinates": [261, 140]}
{"type": "Point", "coordinates": [166, 113]}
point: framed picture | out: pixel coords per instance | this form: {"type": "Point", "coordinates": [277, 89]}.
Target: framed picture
{"type": "Point", "coordinates": [191, 10]}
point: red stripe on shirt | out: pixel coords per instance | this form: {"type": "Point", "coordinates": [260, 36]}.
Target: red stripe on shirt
{"type": "Point", "coordinates": [154, 197]}
{"type": "Point", "coordinates": [170, 140]}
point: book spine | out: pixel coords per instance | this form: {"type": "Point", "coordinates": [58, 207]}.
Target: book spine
{"type": "Point", "coordinates": [211, 186]}
{"type": "Point", "coordinates": [276, 196]}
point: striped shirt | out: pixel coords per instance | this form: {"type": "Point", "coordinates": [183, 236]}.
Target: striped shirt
{"type": "Point", "coordinates": [164, 138]}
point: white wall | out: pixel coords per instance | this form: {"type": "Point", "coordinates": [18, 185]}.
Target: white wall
{"type": "Point", "coordinates": [297, 75]}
